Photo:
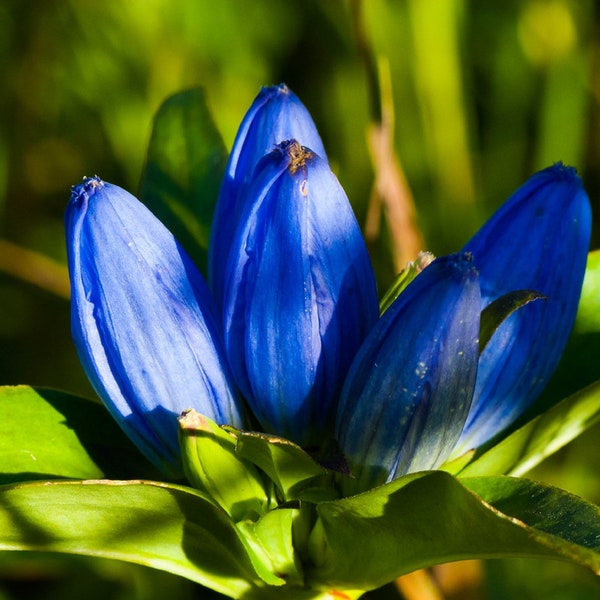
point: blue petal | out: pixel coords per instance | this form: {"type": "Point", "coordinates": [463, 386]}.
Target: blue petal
{"type": "Point", "coordinates": [275, 115]}
{"type": "Point", "coordinates": [300, 294]}
{"type": "Point", "coordinates": [409, 390]}
{"type": "Point", "coordinates": [537, 240]}
{"type": "Point", "coordinates": [143, 321]}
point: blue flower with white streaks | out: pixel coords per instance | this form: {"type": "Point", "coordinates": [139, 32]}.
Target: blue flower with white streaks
{"type": "Point", "coordinates": [275, 115]}
{"type": "Point", "coordinates": [300, 295]}
{"type": "Point", "coordinates": [418, 378]}
{"type": "Point", "coordinates": [537, 240]}
{"type": "Point", "coordinates": [143, 321]}
{"type": "Point", "coordinates": [292, 327]}
{"type": "Point", "coordinates": [410, 387]}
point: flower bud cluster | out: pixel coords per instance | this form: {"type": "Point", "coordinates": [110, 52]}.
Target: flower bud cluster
{"type": "Point", "coordinates": [290, 340]}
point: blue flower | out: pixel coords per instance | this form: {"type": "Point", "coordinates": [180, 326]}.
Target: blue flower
{"type": "Point", "coordinates": [275, 115]}
{"type": "Point", "coordinates": [296, 327]}
{"type": "Point", "coordinates": [414, 381]}
{"type": "Point", "coordinates": [409, 390]}
{"type": "Point", "coordinates": [538, 240]}
{"type": "Point", "coordinates": [300, 294]}
{"type": "Point", "coordinates": [143, 321]}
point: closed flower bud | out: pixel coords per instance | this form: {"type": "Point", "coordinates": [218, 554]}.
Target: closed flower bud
{"type": "Point", "coordinates": [275, 115]}
{"type": "Point", "coordinates": [409, 390]}
{"type": "Point", "coordinates": [143, 321]}
{"type": "Point", "coordinates": [538, 240]}
{"type": "Point", "coordinates": [300, 294]}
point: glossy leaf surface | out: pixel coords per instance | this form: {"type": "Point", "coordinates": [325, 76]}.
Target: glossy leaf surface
{"type": "Point", "coordinates": [152, 524]}
{"type": "Point", "coordinates": [185, 163]}
{"type": "Point", "coordinates": [429, 518]}
{"type": "Point", "coordinates": [211, 465]}
{"type": "Point", "coordinates": [288, 466]}
{"type": "Point", "coordinates": [269, 542]}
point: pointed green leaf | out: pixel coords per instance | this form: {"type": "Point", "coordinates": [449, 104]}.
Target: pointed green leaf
{"type": "Point", "coordinates": [163, 526]}
{"type": "Point", "coordinates": [46, 434]}
{"type": "Point", "coordinates": [185, 164]}
{"type": "Point", "coordinates": [524, 448]}
{"type": "Point", "coordinates": [497, 311]}
{"type": "Point", "coordinates": [423, 519]}
{"type": "Point", "coordinates": [557, 520]}
{"type": "Point", "coordinates": [288, 466]}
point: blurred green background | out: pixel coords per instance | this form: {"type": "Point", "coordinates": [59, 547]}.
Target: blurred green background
{"type": "Point", "coordinates": [483, 94]}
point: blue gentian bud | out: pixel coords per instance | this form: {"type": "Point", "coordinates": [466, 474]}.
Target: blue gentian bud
{"type": "Point", "coordinates": [275, 115]}
{"type": "Point", "coordinates": [143, 321]}
{"type": "Point", "coordinates": [538, 240]}
{"type": "Point", "coordinates": [300, 293]}
{"type": "Point", "coordinates": [409, 389]}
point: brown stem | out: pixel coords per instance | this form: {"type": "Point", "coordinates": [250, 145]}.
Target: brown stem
{"type": "Point", "coordinates": [391, 194]}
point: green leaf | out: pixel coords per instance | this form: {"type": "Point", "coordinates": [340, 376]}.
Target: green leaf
{"type": "Point", "coordinates": [288, 466]}
{"type": "Point", "coordinates": [186, 161]}
{"type": "Point", "coordinates": [497, 311]}
{"type": "Point", "coordinates": [269, 541]}
{"type": "Point", "coordinates": [423, 519]}
{"type": "Point", "coordinates": [562, 522]}
{"type": "Point", "coordinates": [579, 366]}
{"type": "Point", "coordinates": [46, 434]}
{"type": "Point", "coordinates": [524, 448]}
{"type": "Point", "coordinates": [212, 465]}
{"type": "Point", "coordinates": [163, 526]}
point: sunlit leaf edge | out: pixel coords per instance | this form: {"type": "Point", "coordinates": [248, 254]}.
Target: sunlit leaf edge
{"type": "Point", "coordinates": [424, 519]}
{"type": "Point", "coordinates": [149, 523]}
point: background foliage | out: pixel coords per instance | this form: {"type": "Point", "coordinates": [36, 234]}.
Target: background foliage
{"type": "Point", "coordinates": [484, 93]}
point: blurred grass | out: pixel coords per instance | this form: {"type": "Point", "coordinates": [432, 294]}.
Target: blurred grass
{"type": "Point", "coordinates": [483, 94]}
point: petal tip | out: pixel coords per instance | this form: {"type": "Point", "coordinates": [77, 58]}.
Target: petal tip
{"type": "Point", "coordinates": [462, 263]}
{"type": "Point", "coordinates": [564, 172]}
{"type": "Point", "coordinates": [565, 175]}
{"type": "Point", "coordinates": [272, 91]}
{"type": "Point", "coordinates": [86, 188]}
